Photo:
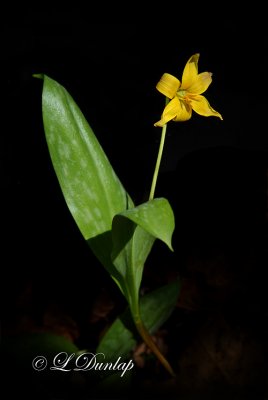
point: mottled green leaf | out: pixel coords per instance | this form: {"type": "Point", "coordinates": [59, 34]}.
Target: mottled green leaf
{"type": "Point", "coordinates": [93, 192]}
{"type": "Point", "coordinates": [155, 216]}
{"type": "Point", "coordinates": [134, 232]}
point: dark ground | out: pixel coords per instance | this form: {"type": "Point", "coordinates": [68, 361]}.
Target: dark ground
{"type": "Point", "coordinates": [214, 173]}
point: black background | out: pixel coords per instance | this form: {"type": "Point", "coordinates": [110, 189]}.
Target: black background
{"type": "Point", "coordinates": [213, 172]}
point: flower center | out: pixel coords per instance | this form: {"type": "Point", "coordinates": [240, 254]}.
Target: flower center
{"type": "Point", "coordinates": [181, 94]}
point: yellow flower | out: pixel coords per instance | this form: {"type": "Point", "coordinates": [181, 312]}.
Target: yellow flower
{"type": "Point", "coordinates": [185, 96]}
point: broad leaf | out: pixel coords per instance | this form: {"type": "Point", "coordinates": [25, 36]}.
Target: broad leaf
{"type": "Point", "coordinates": [92, 190]}
{"type": "Point", "coordinates": [134, 232]}
{"type": "Point", "coordinates": [154, 216]}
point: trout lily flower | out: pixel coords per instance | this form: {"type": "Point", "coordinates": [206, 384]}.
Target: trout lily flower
{"type": "Point", "coordinates": [186, 95]}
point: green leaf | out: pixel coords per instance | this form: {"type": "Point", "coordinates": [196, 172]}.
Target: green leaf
{"type": "Point", "coordinates": [119, 339]}
{"type": "Point", "coordinates": [93, 192]}
{"type": "Point", "coordinates": [155, 216]}
{"type": "Point", "coordinates": [156, 307]}
{"type": "Point", "coordinates": [134, 232]}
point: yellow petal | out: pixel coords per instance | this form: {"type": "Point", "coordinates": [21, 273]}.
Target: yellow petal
{"type": "Point", "coordinates": [175, 110]}
{"type": "Point", "coordinates": [201, 83]}
{"type": "Point", "coordinates": [202, 107]}
{"type": "Point", "coordinates": [168, 85]}
{"type": "Point", "coordinates": [184, 112]}
{"type": "Point", "coordinates": [170, 112]}
{"type": "Point", "coordinates": [190, 72]}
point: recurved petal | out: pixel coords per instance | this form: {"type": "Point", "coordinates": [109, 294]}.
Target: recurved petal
{"type": "Point", "coordinates": [190, 72]}
{"type": "Point", "coordinates": [202, 107]}
{"type": "Point", "coordinates": [170, 112]}
{"type": "Point", "coordinates": [201, 83]}
{"type": "Point", "coordinates": [168, 85]}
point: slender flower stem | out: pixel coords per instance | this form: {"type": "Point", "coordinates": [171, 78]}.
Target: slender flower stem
{"type": "Point", "coordinates": [158, 160]}
{"type": "Point", "coordinates": [157, 165]}
{"type": "Point", "coordinates": [136, 315]}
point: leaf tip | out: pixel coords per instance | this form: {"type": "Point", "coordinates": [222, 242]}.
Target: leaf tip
{"type": "Point", "coordinates": [39, 76]}
{"type": "Point", "coordinates": [170, 247]}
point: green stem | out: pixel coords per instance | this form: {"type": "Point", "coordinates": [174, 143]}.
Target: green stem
{"type": "Point", "coordinates": [138, 322]}
{"type": "Point", "coordinates": [153, 347]}
{"type": "Point", "coordinates": [159, 157]}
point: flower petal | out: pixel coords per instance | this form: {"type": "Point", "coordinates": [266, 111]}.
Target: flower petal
{"type": "Point", "coordinates": [201, 83]}
{"type": "Point", "coordinates": [168, 85]}
{"type": "Point", "coordinates": [190, 72]}
{"type": "Point", "coordinates": [184, 112]}
{"type": "Point", "coordinates": [170, 112]}
{"type": "Point", "coordinates": [202, 107]}
{"type": "Point", "coordinates": [176, 110]}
